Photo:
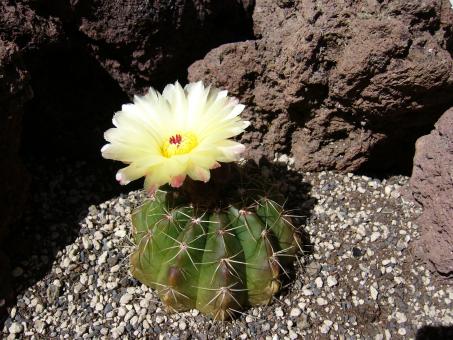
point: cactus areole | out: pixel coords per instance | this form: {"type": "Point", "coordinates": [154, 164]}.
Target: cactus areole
{"type": "Point", "coordinates": [217, 259]}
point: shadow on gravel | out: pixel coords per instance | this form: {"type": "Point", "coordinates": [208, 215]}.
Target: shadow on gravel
{"type": "Point", "coordinates": [435, 333]}
{"type": "Point", "coordinates": [74, 101]}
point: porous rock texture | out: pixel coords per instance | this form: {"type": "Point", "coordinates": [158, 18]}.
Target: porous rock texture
{"type": "Point", "coordinates": [142, 43]}
{"type": "Point", "coordinates": [432, 186]}
{"type": "Point", "coordinates": [345, 85]}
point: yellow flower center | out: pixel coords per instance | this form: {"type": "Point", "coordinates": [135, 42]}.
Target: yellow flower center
{"type": "Point", "coordinates": [179, 144]}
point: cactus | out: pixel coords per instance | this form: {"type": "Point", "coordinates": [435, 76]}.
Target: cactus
{"type": "Point", "coordinates": [217, 260]}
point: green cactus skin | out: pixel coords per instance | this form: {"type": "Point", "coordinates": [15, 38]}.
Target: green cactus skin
{"type": "Point", "coordinates": [218, 261]}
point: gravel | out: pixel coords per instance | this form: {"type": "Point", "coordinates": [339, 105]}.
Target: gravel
{"type": "Point", "coordinates": [357, 278]}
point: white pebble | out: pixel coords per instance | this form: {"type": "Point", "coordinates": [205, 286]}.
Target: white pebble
{"type": "Point", "coordinates": [331, 281]}
{"type": "Point", "coordinates": [374, 293]}
{"type": "Point", "coordinates": [402, 331]}
{"type": "Point", "coordinates": [295, 312]}
{"type": "Point", "coordinates": [400, 317]}
{"type": "Point", "coordinates": [98, 236]}
{"type": "Point", "coordinates": [120, 233]}
{"type": "Point", "coordinates": [125, 299]}
{"type": "Point", "coordinates": [374, 236]}
{"type": "Point", "coordinates": [15, 328]}
{"type": "Point", "coordinates": [326, 325]}
{"type": "Point", "coordinates": [321, 301]}
{"type": "Point", "coordinates": [318, 282]}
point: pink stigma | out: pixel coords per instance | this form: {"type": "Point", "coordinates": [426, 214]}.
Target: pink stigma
{"type": "Point", "coordinates": [176, 139]}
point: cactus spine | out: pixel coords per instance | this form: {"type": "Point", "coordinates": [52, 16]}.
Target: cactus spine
{"type": "Point", "coordinates": [218, 261]}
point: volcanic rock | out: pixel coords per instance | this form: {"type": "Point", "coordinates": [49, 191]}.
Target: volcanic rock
{"type": "Point", "coordinates": [143, 43]}
{"type": "Point", "coordinates": [432, 186]}
{"type": "Point", "coordinates": [345, 85]}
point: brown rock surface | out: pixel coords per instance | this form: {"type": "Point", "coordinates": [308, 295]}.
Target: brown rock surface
{"type": "Point", "coordinates": [143, 43]}
{"type": "Point", "coordinates": [431, 185]}
{"type": "Point", "coordinates": [342, 85]}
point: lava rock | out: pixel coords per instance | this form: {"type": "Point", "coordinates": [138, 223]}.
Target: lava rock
{"type": "Point", "coordinates": [329, 81]}
{"type": "Point", "coordinates": [432, 186]}
{"type": "Point", "coordinates": [143, 43]}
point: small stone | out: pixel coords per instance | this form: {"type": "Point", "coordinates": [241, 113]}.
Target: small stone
{"type": "Point", "coordinates": [146, 324]}
{"type": "Point", "coordinates": [52, 293]}
{"type": "Point", "coordinates": [356, 252]}
{"type": "Point", "coordinates": [307, 291]}
{"type": "Point", "coordinates": [120, 233]}
{"type": "Point", "coordinates": [182, 325]}
{"type": "Point", "coordinates": [321, 301]}
{"type": "Point", "coordinates": [77, 288]}
{"type": "Point", "coordinates": [374, 236]}
{"type": "Point", "coordinates": [374, 293]}
{"type": "Point", "coordinates": [319, 283]}
{"type": "Point", "coordinates": [15, 328]}
{"type": "Point", "coordinates": [39, 308]}
{"type": "Point", "coordinates": [86, 242]}
{"type": "Point", "coordinates": [361, 230]}
{"type": "Point", "coordinates": [400, 317]}
{"type": "Point", "coordinates": [279, 312]}
{"type": "Point", "coordinates": [402, 331]}
{"type": "Point", "coordinates": [401, 245]}
{"type": "Point", "coordinates": [125, 299]}
{"type": "Point", "coordinates": [39, 325]}
{"type": "Point", "coordinates": [331, 281]}
{"type": "Point", "coordinates": [325, 327]}
{"type": "Point", "coordinates": [388, 189]}
{"type": "Point", "coordinates": [295, 312]}
{"type": "Point", "coordinates": [303, 322]}
{"type": "Point", "coordinates": [313, 268]}
{"type": "Point", "coordinates": [248, 319]}
{"type": "Point", "coordinates": [98, 236]}
{"type": "Point", "coordinates": [159, 319]}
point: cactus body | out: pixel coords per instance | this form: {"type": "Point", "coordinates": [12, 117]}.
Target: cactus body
{"type": "Point", "coordinates": [218, 261]}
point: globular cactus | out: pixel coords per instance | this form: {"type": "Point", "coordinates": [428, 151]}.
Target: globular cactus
{"type": "Point", "coordinates": [217, 260]}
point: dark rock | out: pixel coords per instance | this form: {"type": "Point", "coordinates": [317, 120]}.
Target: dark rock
{"type": "Point", "coordinates": [341, 85]}
{"type": "Point", "coordinates": [356, 252]}
{"type": "Point", "coordinates": [432, 186]}
{"type": "Point", "coordinates": [153, 42]}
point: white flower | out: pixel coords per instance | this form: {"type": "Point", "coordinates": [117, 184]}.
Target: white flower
{"type": "Point", "coordinates": [184, 131]}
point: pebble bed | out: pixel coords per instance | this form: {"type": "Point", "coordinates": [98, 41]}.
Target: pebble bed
{"type": "Point", "coordinates": [357, 280]}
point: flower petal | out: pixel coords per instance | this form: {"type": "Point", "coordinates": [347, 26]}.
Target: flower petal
{"type": "Point", "coordinates": [198, 173]}
{"type": "Point", "coordinates": [195, 123]}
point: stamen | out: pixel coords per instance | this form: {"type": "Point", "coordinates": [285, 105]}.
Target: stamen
{"type": "Point", "coordinates": [176, 139]}
{"type": "Point", "coordinates": [179, 144]}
